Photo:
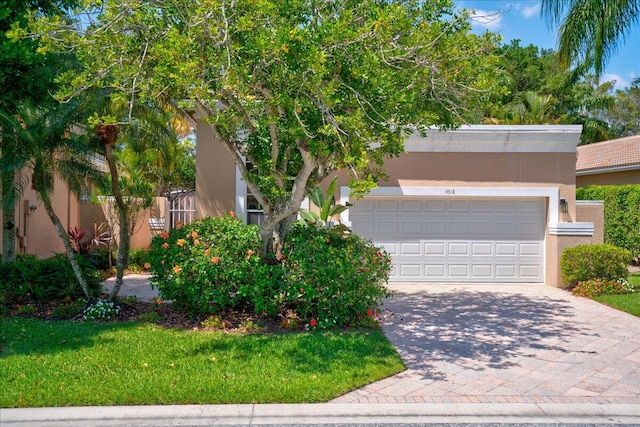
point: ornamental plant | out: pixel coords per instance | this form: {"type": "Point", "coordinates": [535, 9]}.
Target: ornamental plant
{"type": "Point", "coordinates": [202, 265]}
{"type": "Point", "coordinates": [331, 278]}
{"type": "Point", "coordinates": [325, 279]}
{"type": "Point", "coordinates": [597, 287]}
{"type": "Point", "coordinates": [100, 310]}
{"type": "Point", "coordinates": [594, 261]}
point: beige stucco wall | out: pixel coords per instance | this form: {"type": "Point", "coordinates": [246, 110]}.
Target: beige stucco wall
{"type": "Point", "coordinates": [215, 175]}
{"type": "Point", "coordinates": [37, 235]}
{"type": "Point", "coordinates": [609, 178]}
{"type": "Point", "coordinates": [592, 211]}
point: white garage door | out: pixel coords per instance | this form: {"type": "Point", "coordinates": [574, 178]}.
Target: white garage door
{"type": "Point", "coordinates": [457, 240]}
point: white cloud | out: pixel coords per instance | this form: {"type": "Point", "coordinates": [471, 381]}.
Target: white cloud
{"type": "Point", "coordinates": [484, 19]}
{"type": "Point", "coordinates": [621, 83]}
{"type": "Point", "coordinates": [530, 11]}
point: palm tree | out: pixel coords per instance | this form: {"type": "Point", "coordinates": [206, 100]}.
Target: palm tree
{"type": "Point", "coordinates": [149, 135]}
{"type": "Point", "coordinates": [45, 147]}
{"type": "Point", "coordinates": [590, 30]}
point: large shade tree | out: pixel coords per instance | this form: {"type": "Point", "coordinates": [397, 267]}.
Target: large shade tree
{"type": "Point", "coordinates": [590, 30]}
{"type": "Point", "coordinates": [298, 88]}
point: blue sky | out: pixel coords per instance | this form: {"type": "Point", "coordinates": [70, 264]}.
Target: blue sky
{"type": "Point", "coordinates": [520, 19]}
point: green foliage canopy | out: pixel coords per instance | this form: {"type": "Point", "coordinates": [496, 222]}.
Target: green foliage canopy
{"type": "Point", "coordinates": [299, 88]}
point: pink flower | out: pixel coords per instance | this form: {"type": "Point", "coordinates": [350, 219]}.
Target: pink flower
{"type": "Point", "coordinates": [313, 323]}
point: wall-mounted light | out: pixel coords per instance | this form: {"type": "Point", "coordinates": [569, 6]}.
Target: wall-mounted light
{"type": "Point", "coordinates": [564, 206]}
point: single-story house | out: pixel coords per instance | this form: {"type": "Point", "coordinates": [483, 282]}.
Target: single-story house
{"type": "Point", "coordinates": [483, 203]}
{"type": "Point", "coordinates": [613, 162]}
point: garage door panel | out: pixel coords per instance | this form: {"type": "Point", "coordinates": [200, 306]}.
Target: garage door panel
{"type": "Point", "coordinates": [475, 239]}
{"type": "Point", "coordinates": [458, 227]}
{"type": "Point", "coordinates": [434, 248]}
{"type": "Point", "coordinates": [532, 271]}
{"type": "Point", "coordinates": [410, 271]}
{"type": "Point", "coordinates": [410, 248]}
{"type": "Point", "coordinates": [458, 249]}
{"type": "Point", "coordinates": [435, 270]}
{"type": "Point", "coordinates": [434, 228]}
{"type": "Point", "coordinates": [506, 249]}
{"type": "Point", "coordinates": [481, 249]}
{"type": "Point", "coordinates": [482, 271]}
{"type": "Point", "coordinates": [435, 206]}
{"type": "Point", "coordinates": [458, 271]}
{"type": "Point", "coordinates": [505, 271]}
{"type": "Point", "coordinates": [459, 206]}
{"type": "Point", "coordinates": [411, 227]}
{"type": "Point", "coordinates": [530, 249]}
{"type": "Point", "coordinates": [411, 205]}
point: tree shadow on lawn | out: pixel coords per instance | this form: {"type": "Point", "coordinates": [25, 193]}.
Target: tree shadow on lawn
{"type": "Point", "coordinates": [26, 336]}
{"type": "Point", "coordinates": [477, 330]}
{"type": "Point", "coordinates": [312, 352]}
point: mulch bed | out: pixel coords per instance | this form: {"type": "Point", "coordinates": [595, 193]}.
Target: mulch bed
{"type": "Point", "coordinates": [162, 314]}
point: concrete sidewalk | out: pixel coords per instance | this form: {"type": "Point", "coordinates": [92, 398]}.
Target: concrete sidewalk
{"type": "Point", "coordinates": [324, 414]}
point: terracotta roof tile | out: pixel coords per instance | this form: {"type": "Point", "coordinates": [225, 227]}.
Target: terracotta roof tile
{"type": "Point", "coordinates": [607, 154]}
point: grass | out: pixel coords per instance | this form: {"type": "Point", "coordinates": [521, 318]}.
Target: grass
{"type": "Point", "coordinates": [64, 363]}
{"type": "Point", "coordinates": [629, 303]}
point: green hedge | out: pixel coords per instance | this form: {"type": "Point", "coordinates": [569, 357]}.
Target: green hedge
{"type": "Point", "coordinates": [621, 213]}
{"type": "Point", "coordinates": [593, 262]}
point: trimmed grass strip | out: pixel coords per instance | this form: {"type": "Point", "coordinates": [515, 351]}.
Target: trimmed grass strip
{"type": "Point", "coordinates": [63, 363]}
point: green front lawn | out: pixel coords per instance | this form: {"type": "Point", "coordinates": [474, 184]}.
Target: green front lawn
{"type": "Point", "coordinates": [64, 363]}
{"type": "Point", "coordinates": [627, 302]}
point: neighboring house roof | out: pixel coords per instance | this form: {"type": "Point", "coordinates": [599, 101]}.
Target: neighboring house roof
{"type": "Point", "coordinates": [609, 156]}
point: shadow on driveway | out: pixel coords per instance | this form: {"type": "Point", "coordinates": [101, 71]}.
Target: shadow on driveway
{"type": "Point", "coordinates": [474, 328]}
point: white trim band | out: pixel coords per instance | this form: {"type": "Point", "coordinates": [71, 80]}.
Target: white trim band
{"type": "Point", "coordinates": [571, 229]}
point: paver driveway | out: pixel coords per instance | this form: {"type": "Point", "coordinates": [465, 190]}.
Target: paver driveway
{"type": "Point", "coordinates": [506, 343]}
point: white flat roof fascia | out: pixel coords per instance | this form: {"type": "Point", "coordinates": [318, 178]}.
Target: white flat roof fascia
{"type": "Point", "coordinates": [497, 139]}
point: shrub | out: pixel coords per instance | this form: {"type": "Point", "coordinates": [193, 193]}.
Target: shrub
{"type": "Point", "coordinates": [138, 258]}
{"type": "Point", "coordinates": [326, 278]}
{"type": "Point", "coordinates": [333, 279]}
{"type": "Point", "coordinates": [202, 265]}
{"type": "Point", "coordinates": [40, 279]}
{"type": "Point", "coordinates": [593, 261]}
{"type": "Point", "coordinates": [594, 288]}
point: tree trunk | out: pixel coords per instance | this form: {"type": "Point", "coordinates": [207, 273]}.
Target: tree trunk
{"type": "Point", "coordinates": [67, 245]}
{"type": "Point", "coordinates": [122, 259]}
{"type": "Point", "coordinates": [8, 218]}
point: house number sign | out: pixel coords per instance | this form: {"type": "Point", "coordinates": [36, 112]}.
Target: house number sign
{"type": "Point", "coordinates": [449, 191]}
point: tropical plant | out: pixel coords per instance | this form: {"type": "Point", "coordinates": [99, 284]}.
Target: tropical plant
{"type": "Point", "coordinates": [48, 149]}
{"type": "Point", "coordinates": [328, 209]}
{"type": "Point", "coordinates": [590, 30]}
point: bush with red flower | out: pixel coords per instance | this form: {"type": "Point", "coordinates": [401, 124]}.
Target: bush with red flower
{"type": "Point", "coordinates": [324, 278]}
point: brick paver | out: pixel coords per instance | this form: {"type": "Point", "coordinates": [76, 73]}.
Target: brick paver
{"type": "Point", "coordinates": [506, 344]}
